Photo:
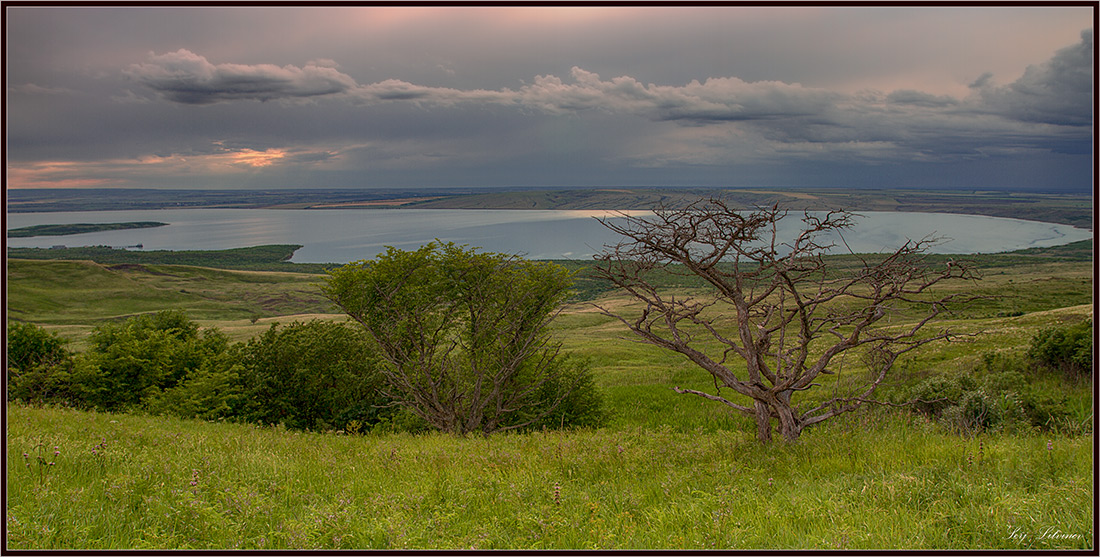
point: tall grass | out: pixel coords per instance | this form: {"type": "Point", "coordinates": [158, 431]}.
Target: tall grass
{"type": "Point", "coordinates": [873, 481]}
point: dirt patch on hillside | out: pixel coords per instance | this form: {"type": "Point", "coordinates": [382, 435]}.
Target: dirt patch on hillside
{"type": "Point", "coordinates": [135, 268]}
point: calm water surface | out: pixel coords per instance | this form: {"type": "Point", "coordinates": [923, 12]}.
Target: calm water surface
{"type": "Point", "coordinates": [339, 236]}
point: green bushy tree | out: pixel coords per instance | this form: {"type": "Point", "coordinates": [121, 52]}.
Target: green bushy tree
{"type": "Point", "coordinates": [39, 366]}
{"type": "Point", "coordinates": [211, 391]}
{"type": "Point", "coordinates": [132, 362]}
{"type": "Point", "coordinates": [463, 336]}
{"type": "Point", "coordinates": [1068, 349]}
{"type": "Point", "coordinates": [308, 376]}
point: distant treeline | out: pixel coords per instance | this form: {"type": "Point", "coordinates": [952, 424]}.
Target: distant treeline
{"type": "Point", "coordinates": [81, 228]}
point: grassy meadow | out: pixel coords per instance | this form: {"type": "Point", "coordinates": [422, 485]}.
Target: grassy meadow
{"type": "Point", "coordinates": [667, 471]}
{"type": "Point", "coordinates": [869, 482]}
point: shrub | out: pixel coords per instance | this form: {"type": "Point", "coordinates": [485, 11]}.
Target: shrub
{"type": "Point", "coordinates": [212, 391]}
{"type": "Point", "coordinates": [582, 403]}
{"type": "Point", "coordinates": [310, 376]}
{"type": "Point", "coordinates": [1068, 349]}
{"type": "Point", "coordinates": [140, 358]}
{"type": "Point", "coordinates": [1004, 397]}
{"type": "Point", "coordinates": [39, 366]}
{"type": "Point", "coordinates": [1045, 410]}
{"type": "Point", "coordinates": [936, 394]}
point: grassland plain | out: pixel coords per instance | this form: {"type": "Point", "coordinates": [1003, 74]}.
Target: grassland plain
{"type": "Point", "coordinates": [667, 472]}
{"type": "Point", "coordinates": [876, 481]}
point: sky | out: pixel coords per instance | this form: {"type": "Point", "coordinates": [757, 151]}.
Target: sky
{"type": "Point", "coordinates": [220, 97]}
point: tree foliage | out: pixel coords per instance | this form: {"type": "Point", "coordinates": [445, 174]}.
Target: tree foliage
{"type": "Point", "coordinates": [463, 335]}
{"type": "Point", "coordinates": [774, 305]}
{"type": "Point", "coordinates": [1067, 349]}
{"type": "Point", "coordinates": [305, 375]}
{"type": "Point", "coordinates": [39, 366]}
{"type": "Point", "coordinates": [130, 362]}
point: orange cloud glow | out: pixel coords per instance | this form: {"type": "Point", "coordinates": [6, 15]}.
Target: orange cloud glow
{"type": "Point", "coordinates": [134, 172]}
{"type": "Point", "coordinates": [256, 159]}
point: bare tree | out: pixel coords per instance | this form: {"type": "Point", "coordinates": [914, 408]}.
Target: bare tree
{"type": "Point", "coordinates": [776, 305]}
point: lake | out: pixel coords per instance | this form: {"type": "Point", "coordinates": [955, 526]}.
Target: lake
{"type": "Point", "coordinates": [339, 236]}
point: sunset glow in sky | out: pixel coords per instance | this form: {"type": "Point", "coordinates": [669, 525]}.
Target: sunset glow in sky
{"type": "Point", "coordinates": [349, 97]}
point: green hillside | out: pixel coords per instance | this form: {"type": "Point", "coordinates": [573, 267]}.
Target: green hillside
{"type": "Point", "coordinates": [666, 471]}
{"type": "Point", "coordinates": [85, 292]}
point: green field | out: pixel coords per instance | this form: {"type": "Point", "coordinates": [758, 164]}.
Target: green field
{"type": "Point", "coordinates": [667, 471]}
{"type": "Point", "coordinates": [863, 483]}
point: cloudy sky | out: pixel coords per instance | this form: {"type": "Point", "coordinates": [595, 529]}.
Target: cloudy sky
{"type": "Point", "coordinates": [311, 97]}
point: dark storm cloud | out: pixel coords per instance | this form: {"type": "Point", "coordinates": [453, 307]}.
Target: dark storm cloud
{"type": "Point", "coordinates": [197, 97]}
{"type": "Point", "coordinates": [1057, 92]}
{"type": "Point", "coordinates": [188, 78]}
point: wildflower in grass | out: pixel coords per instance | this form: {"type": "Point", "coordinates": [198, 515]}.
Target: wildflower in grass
{"type": "Point", "coordinates": [1051, 466]}
{"type": "Point", "coordinates": [557, 493]}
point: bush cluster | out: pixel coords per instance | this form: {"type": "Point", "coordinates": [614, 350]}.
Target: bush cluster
{"type": "Point", "coordinates": [1005, 392]}
{"type": "Point", "coordinates": [1066, 349]}
{"type": "Point", "coordinates": [39, 366]}
{"type": "Point", "coordinates": [315, 375]}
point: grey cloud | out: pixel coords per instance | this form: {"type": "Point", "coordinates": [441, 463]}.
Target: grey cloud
{"type": "Point", "coordinates": [982, 80]}
{"type": "Point", "coordinates": [189, 78]}
{"type": "Point", "coordinates": [715, 100]}
{"type": "Point", "coordinates": [769, 121]}
{"type": "Point", "coordinates": [902, 125]}
{"type": "Point", "coordinates": [1057, 92]}
{"type": "Point", "coordinates": [310, 157]}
